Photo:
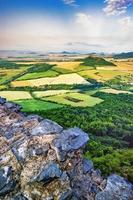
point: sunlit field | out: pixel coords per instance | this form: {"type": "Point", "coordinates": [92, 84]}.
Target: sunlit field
{"type": "Point", "coordinates": [37, 105]}
{"type": "Point", "coordinates": [29, 76]}
{"type": "Point", "coordinates": [41, 94]}
{"type": "Point", "coordinates": [75, 99]}
{"type": "Point", "coordinates": [66, 65]}
{"type": "Point", "coordinates": [67, 79]}
{"type": "Point", "coordinates": [102, 75]}
{"type": "Point", "coordinates": [8, 74]}
{"type": "Point", "coordinates": [113, 91]}
{"type": "Point", "coordinates": [15, 95]}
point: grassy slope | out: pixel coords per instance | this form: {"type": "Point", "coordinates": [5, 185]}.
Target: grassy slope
{"type": "Point", "coordinates": [86, 100]}
{"type": "Point", "coordinates": [28, 76]}
{"type": "Point", "coordinates": [41, 94]}
{"type": "Point", "coordinates": [37, 105]}
{"type": "Point", "coordinates": [101, 75]}
{"type": "Point", "coordinates": [96, 61]}
{"type": "Point", "coordinates": [10, 73]}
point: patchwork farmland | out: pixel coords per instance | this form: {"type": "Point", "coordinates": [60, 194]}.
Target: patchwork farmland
{"type": "Point", "coordinates": [92, 93]}
{"type": "Point", "coordinates": [68, 79]}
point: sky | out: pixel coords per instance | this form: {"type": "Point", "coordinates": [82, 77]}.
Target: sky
{"type": "Point", "coordinates": [67, 25]}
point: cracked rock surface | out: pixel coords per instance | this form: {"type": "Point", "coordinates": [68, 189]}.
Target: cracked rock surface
{"type": "Point", "coordinates": [41, 161]}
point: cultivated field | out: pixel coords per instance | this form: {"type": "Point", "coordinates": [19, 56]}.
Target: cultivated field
{"type": "Point", "coordinates": [9, 74]}
{"type": "Point", "coordinates": [41, 94]}
{"type": "Point", "coordinates": [67, 79]}
{"type": "Point", "coordinates": [37, 105]}
{"type": "Point", "coordinates": [66, 65]}
{"type": "Point", "coordinates": [125, 65]}
{"type": "Point", "coordinates": [102, 75]}
{"type": "Point", "coordinates": [35, 75]}
{"type": "Point", "coordinates": [75, 99]}
{"type": "Point", "coordinates": [113, 91]}
{"type": "Point", "coordinates": [15, 95]}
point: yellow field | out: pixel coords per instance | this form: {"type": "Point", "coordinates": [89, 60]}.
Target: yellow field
{"type": "Point", "coordinates": [125, 66]}
{"type": "Point", "coordinates": [29, 62]}
{"type": "Point", "coordinates": [41, 94]}
{"type": "Point", "coordinates": [67, 79]}
{"type": "Point", "coordinates": [66, 65]}
{"type": "Point", "coordinates": [9, 73]}
{"type": "Point", "coordinates": [113, 91]}
{"type": "Point", "coordinates": [101, 75]}
{"type": "Point", "coordinates": [15, 95]}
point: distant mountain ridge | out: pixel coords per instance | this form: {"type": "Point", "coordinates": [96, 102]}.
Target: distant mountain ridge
{"type": "Point", "coordinates": [123, 55]}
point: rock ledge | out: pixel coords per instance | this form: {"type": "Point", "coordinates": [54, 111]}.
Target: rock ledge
{"type": "Point", "coordinates": [41, 161]}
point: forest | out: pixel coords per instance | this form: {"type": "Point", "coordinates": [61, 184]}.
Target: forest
{"type": "Point", "coordinates": [110, 127]}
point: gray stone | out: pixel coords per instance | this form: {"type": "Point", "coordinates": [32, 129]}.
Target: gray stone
{"type": "Point", "coordinates": [117, 188]}
{"type": "Point", "coordinates": [48, 173]}
{"type": "Point", "coordinates": [70, 140]}
{"type": "Point", "coordinates": [46, 127]}
{"type": "Point", "coordinates": [87, 165]}
{"type": "Point", "coordinates": [13, 107]}
{"type": "Point", "coordinates": [31, 166]}
{"type": "Point", "coordinates": [2, 100]}
{"type": "Point", "coordinates": [7, 184]}
{"type": "Point", "coordinates": [67, 195]}
{"type": "Point", "coordinates": [38, 151]}
{"type": "Point", "coordinates": [19, 197]}
{"type": "Point", "coordinates": [33, 117]}
{"type": "Point", "coordinates": [20, 151]}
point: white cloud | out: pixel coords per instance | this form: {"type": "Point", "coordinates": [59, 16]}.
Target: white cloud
{"type": "Point", "coordinates": [85, 32]}
{"type": "Point", "coordinates": [84, 19]}
{"type": "Point", "coordinates": [117, 7]}
{"type": "Point", "coordinates": [126, 22]}
{"type": "Point", "coordinates": [69, 2]}
{"type": "Point", "coordinates": [90, 25]}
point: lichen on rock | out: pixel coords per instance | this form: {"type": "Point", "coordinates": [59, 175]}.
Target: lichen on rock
{"type": "Point", "coordinates": [41, 161]}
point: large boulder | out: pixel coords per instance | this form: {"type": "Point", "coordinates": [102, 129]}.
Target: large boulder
{"type": "Point", "coordinates": [41, 161]}
{"type": "Point", "coordinates": [7, 183]}
{"type": "Point", "coordinates": [49, 172]}
{"type": "Point", "coordinates": [46, 127]}
{"type": "Point", "coordinates": [117, 189]}
{"type": "Point", "coordinates": [2, 101]}
{"type": "Point", "coordinates": [70, 140]}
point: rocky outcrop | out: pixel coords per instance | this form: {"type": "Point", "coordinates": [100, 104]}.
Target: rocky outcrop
{"type": "Point", "coordinates": [116, 188]}
{"type": "Point", "coordinates": [41, 161]}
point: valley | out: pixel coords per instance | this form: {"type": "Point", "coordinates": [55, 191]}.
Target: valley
{"type": "Point", "coordinates": [93, 93]}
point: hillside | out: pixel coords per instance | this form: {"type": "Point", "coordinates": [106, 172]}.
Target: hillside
{"type": "Point", "coordinates": [96, 62]}
{"type": "Point", "coordinates": [35, 163]}
{"type": "Point", "coordinates": [123, 55]}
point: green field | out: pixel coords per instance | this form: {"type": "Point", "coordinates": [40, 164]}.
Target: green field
{"type": "Point", "coordinates": [35, 75]}
{"type": "Point", "coordinates": [37, 105]}
{"type": "Point", "coordinates": [75, 99]}
{"type": "Point", "coordinates": [10, 74]}
{"type": "Point", "coordinates": [41, 94]}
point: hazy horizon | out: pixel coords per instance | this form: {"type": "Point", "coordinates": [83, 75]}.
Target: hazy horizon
{"type": "Point", "coordinates": [67, 25]}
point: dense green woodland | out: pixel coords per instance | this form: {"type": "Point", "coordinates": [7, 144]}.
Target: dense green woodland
{"type": "Point", "coordinates": [113, 117]}
{"type": "Point", "coordinates": [4, 64]}
{"type": "Point", "coordinates": [110, 126]}
{"type": "Point", "coordinates": [95, 61]}
{"type": "Point", "coordinates": [123, 55]}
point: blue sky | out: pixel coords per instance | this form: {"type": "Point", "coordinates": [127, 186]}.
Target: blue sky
{"type": "Point", "coordinates": [8, 7]}
{"type": "Point", "coordinates": [75, 25]}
